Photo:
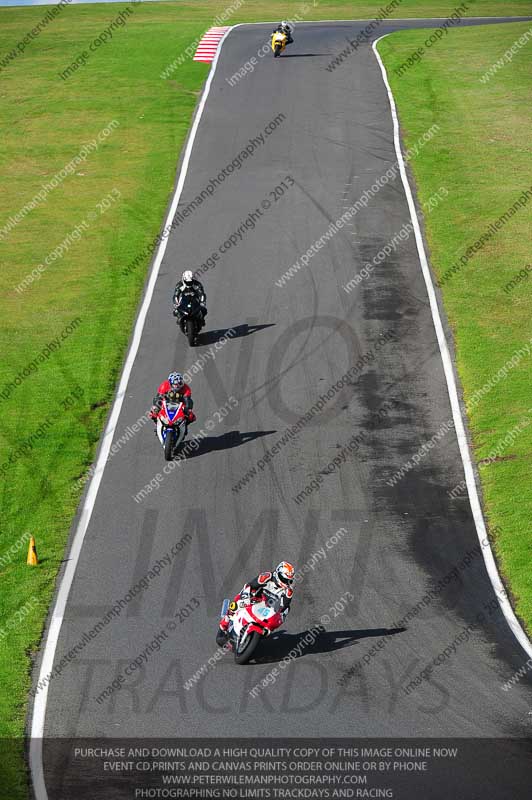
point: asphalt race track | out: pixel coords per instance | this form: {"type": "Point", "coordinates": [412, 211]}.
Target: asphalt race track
{"type": "Point", "coordinates": [285, 348]}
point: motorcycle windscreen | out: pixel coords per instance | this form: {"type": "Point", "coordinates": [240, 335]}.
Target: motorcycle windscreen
{"type": "Point", "coordinates": [272, 600]}
{"type": "Point", "coordinates": [172, 410]}
{"type": "Point", "coordinates": [189, 303]}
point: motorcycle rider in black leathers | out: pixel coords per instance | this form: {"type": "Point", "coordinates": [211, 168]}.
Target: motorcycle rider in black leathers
{"type": "Point", "coordinates": [188, 281]}
{"type": "Point", "coordinates": [284, 27]}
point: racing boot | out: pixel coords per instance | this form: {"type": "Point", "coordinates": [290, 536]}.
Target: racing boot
{"type": "Point", "coordinates": [222, 635]}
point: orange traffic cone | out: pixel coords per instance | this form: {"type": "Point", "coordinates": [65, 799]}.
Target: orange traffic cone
{"type": "Point", "coordinates": [32, 559]}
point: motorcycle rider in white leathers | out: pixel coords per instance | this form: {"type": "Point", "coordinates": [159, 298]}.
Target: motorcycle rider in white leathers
{"type": "Point", "coordinates": [282, 578]}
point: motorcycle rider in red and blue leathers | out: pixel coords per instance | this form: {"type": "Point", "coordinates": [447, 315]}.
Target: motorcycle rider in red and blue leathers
{"type": "Point", "coordinates": [174, 383]}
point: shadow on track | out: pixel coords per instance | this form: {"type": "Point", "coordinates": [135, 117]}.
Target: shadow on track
{"type": "Point", "coordinates": [211, 337]}
{"type": "Point", "coordinates": [280, 645]}
{"type": "Point", "coordinates": [225, 442]}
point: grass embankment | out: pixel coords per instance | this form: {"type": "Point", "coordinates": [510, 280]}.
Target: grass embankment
{"type": "Point", "coordinates": [483, 155]}
{"type": "Point", "coordinates": [69, 386]}
{"type": "Point", "coordinates": [46, 122]}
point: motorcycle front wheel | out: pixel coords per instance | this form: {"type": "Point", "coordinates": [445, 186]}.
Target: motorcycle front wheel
{"type": "Point", "coordinates": [245, 649]}
{"type": "Point", "coordinates": [277, 51]}
{"type": "Point", "coordinates": [169, 446]}
{"type": "Point", "coordinates": [191, 331]}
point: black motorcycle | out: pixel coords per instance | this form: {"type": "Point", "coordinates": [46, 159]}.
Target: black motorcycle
{"type": "Point", "coordinates": [189, 315]}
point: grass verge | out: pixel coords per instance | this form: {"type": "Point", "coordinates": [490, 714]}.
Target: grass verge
{"type": "Point", "coordinates": [482, 155]}
{"type": "Point", "coordinates": [64, 332]}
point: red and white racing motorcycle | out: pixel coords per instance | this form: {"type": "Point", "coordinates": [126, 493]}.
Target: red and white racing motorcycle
{"type": "Point", "coordinates": [252, 620]}
{"type": "Point", "coordinates": [171, 426]}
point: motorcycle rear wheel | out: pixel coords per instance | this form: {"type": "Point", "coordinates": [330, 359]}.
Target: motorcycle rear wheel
{"type": "Point", "coordinates": [243, 656]}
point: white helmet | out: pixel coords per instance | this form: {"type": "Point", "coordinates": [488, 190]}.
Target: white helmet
{"type": "Point", "coordinates": [284, 23]}
{"type": "Point", "coordinates": [188, 277]}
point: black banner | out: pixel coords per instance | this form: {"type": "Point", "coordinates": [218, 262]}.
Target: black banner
{"type": "Point", "coordinates": [425, 769]}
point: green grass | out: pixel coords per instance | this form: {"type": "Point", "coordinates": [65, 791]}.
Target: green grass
{"type": "Point", "coordinates": [483, 155]}
{"type": "Point", "coordinates": [45, 123]}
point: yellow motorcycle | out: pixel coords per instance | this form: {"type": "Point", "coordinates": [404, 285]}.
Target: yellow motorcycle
{"type": "Point", "coordinates": [278, 43]}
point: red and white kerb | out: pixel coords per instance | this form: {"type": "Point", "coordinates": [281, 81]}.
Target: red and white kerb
{"type": "Point", "coordinates": [208, 44]}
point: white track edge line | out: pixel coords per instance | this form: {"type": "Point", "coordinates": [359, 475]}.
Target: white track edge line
{"type": "Point", "coordinates": [463, 445]}
{"type": "Point", "coordinates": [39, 704]}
